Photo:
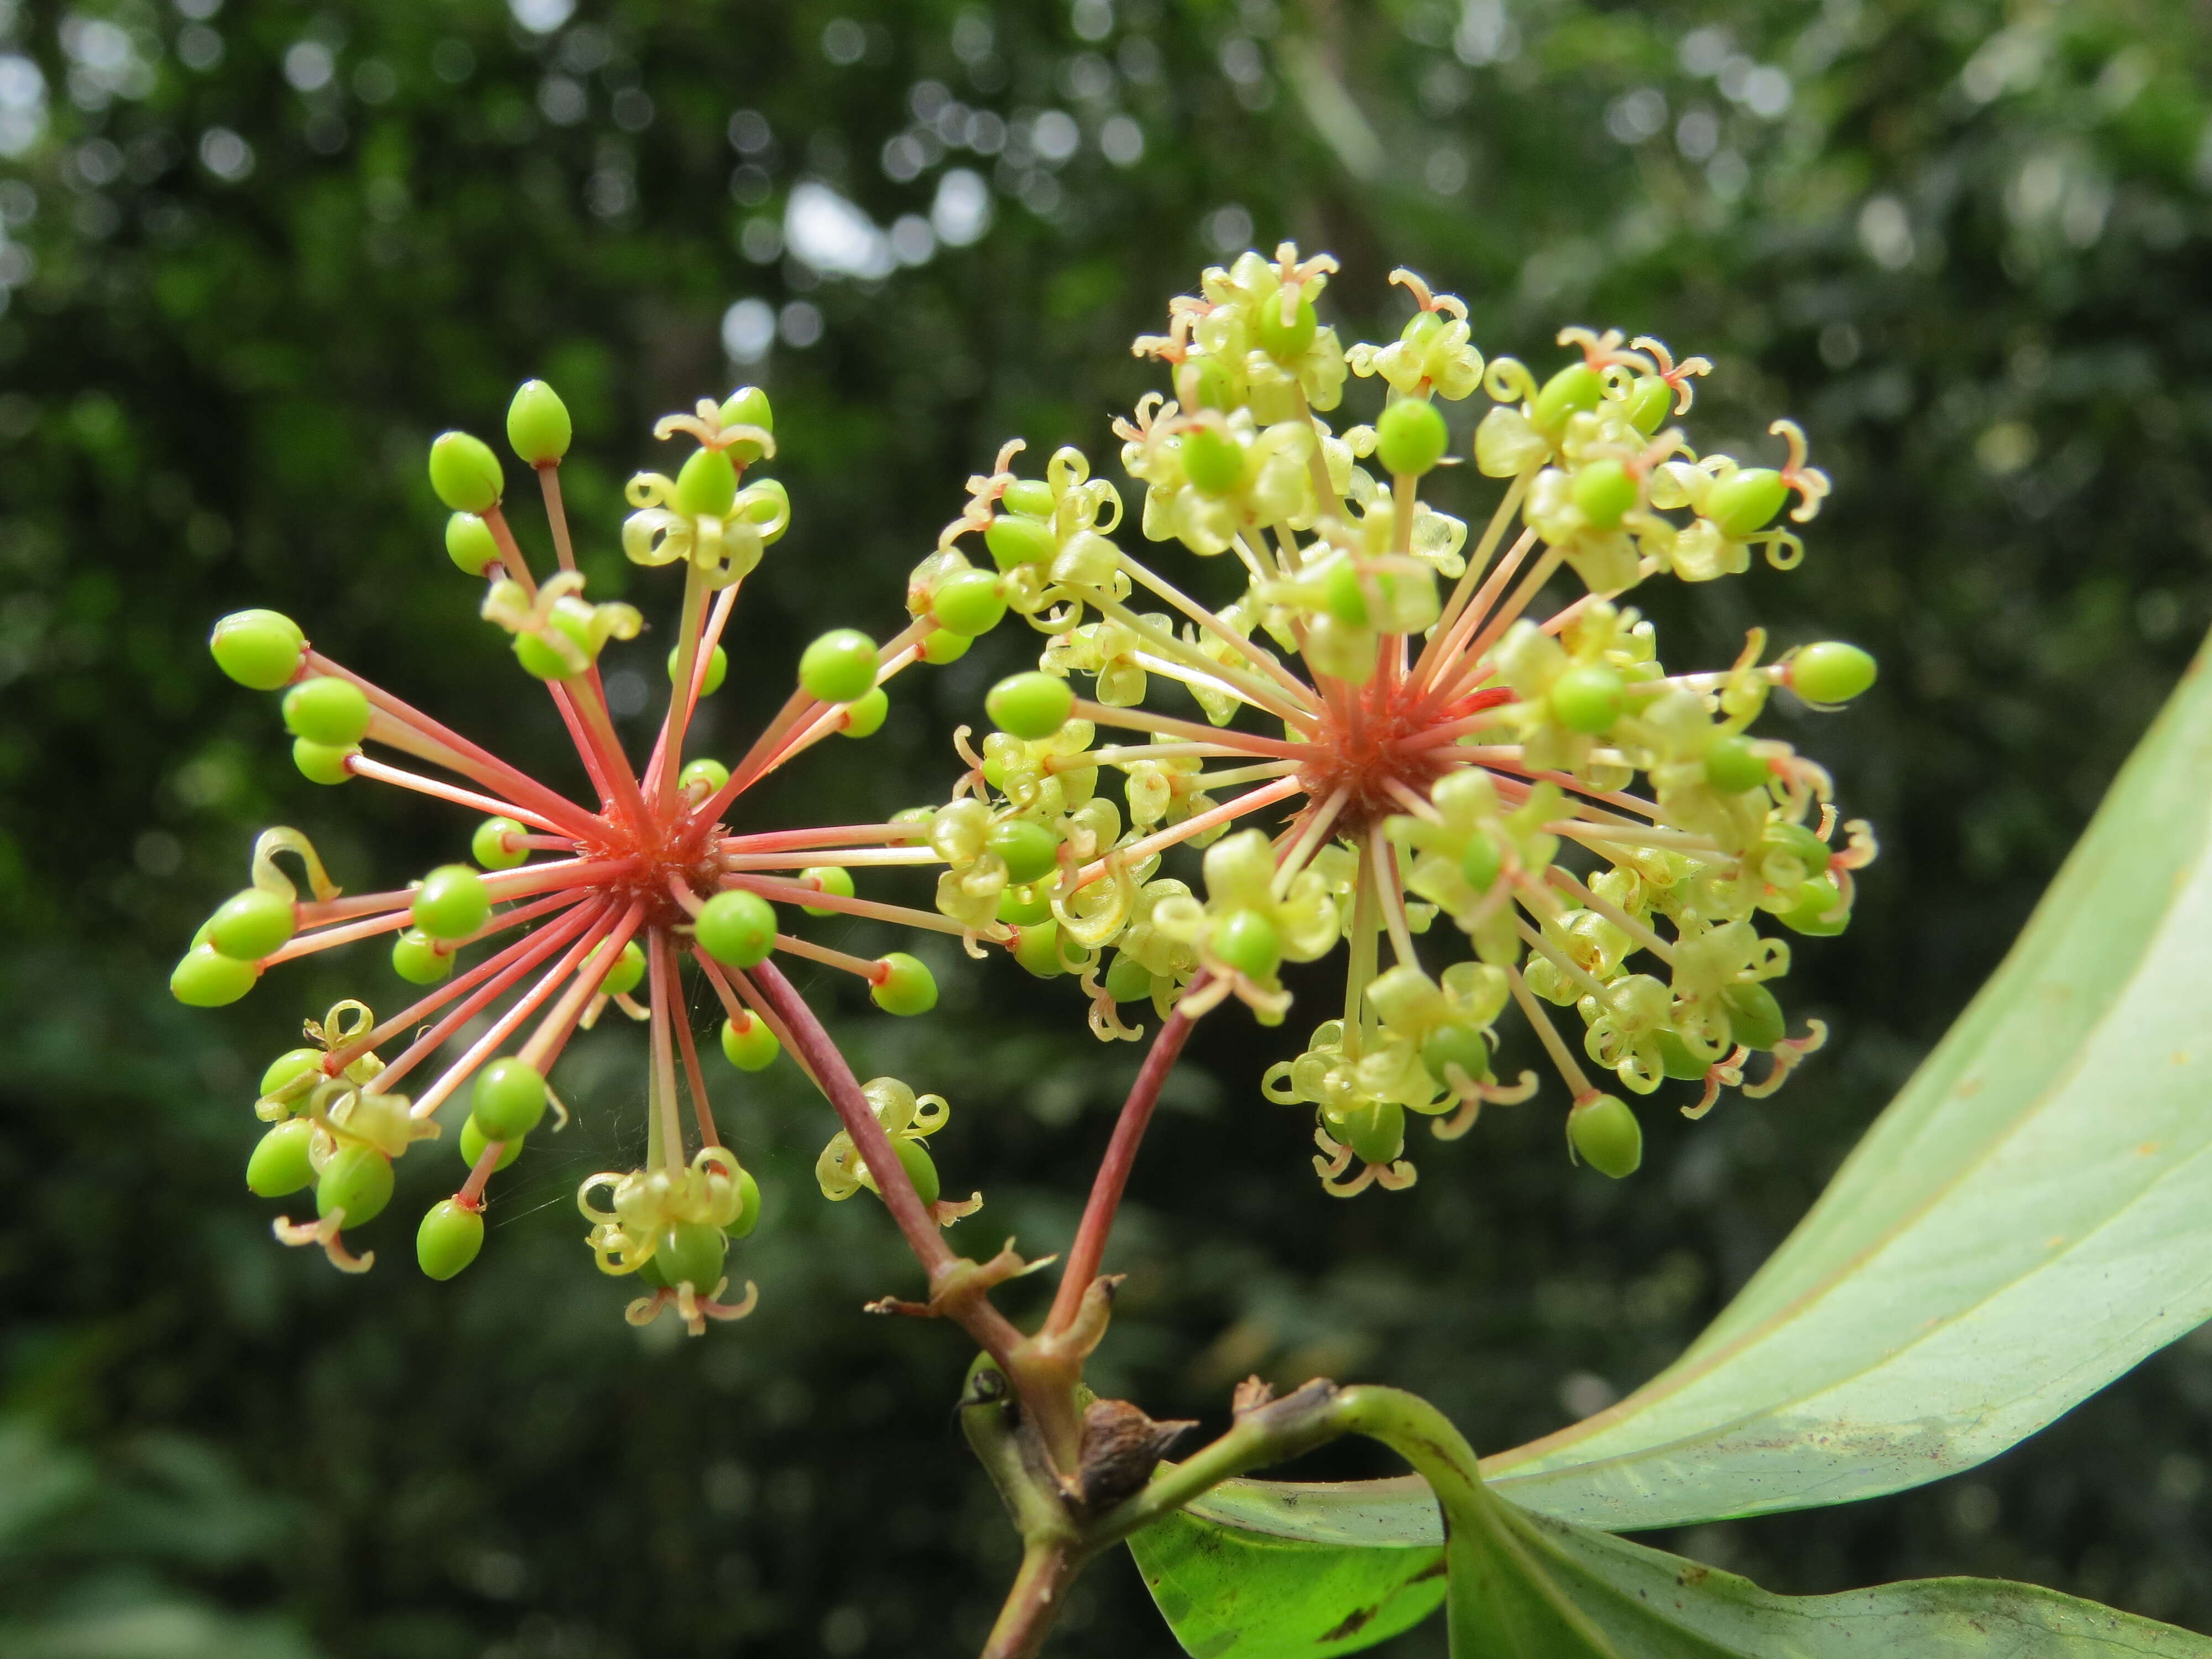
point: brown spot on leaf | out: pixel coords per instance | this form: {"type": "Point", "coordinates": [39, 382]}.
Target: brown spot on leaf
{"type": "Point", "coordinates": [1350, 1625]}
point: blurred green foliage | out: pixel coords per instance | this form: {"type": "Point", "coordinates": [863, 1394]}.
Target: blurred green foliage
{"type": "Point", "coordinates": [254, 256]}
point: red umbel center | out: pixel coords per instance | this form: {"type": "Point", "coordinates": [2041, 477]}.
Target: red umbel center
{"type": "Point", "coordinates": [1384, 740]}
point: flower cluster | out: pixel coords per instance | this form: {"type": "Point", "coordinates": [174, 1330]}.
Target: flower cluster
{"type": "Point", "coordinates": [1424, 744]}
{"type": "Point", "coordinates": [577, 905]}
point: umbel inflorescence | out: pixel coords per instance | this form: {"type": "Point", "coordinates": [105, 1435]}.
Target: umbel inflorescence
{"type": "Point", "coordinates": [1413, 749]}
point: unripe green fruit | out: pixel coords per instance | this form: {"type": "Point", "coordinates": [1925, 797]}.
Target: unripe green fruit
{"type": "Point", "coordinates": [691, 1252]}
{"type": "Point", "coordinates": [259, 649]}
{"type": "Point", "coordinates": [748, 406]}
{"type": "Point", "coordinates": [1212, 460]}
{"type": "Point", "coordinates": [1376, 1132]}
{"type": "Point", "coordinates": [1588, 697]}
{"type": "Point", "coordinates": [250, 925]}
{"type": "Point", "coordinates": [472, 1144]}
{"type": "Point", "coordinates": [452, 902]}
{"type": "Point", "coordinates": [1031, 497]}
{"type": "Point", "coordinates": [1129, 980]}
{"type": "Point", "coordinates": [357, 1180]}
{"type": "Point", "coordinates": [287, 1067]}
{"type": "Point", "coordinates": [921, 1170]}
{"type": "Point", "coordinates": [1574, 388]}
{"type": "Point", "coordinates": [1809, 915]}
{"type": "Point", "coordinates": [1605, 492]}
{"type": "Point", "coordinates": [832, 879]}
{"type": "Point", "coordinates": [1676, 1060]}
{"type": "Point", "coordinates": [1650, 401]}
{"type": "Point", "coordinates": [1480, 862]}
{"type": "Point", "coordinates": [1024, 907]}
{"type": "Point", "coordinates": [1031, 706]}
{"type": "Point", "coordinates": [1607, 1135]}
{"type": "Point", "coordinates": [749, 1206]}
{"type": "Point", "coordinates": [1341, 595]}
{"type": "Point", "coordinates": [1743, 503]}
{"type": "Point", "coordinates": [1030, 850]}
{"type": "Point", "coordinates": [737, 928]}
{"type": "Point", "coordinates": [207, 979]}
{"type": "Point", "coordinates": [1248, 942]}
{"type": "Point", "coordinates": [1280, 340]}
{"type": "Point", "coordinates": [1830, 673]}
{"type": "Point", "coordinates": [279, 1166]}
{"type": "Point", "coordinates": [465, 473]}
{"type": "Point", "coordinates": [1203, 382]}
{"type": "Point", "coordinates": [1411, 437]}
{"type": "Point", "coordinates": [717, 670]}
{"type": "Point", "coordinates": [1463, 1046]}
{"type": "Point", "coordinates": [622, 978]}
{"type": "Point", "coordinates": [702, 777]}
{"type": "Point", "coordinates": [1015, 540]}
{"type": "Point", "coordinates": [451, 1235]}
{"type": "Point", "coordinates": [707, 484]}
{"type": "Point", "coordinates": [538, 427]}
{"type": "Point", "coordinates": [318, 762]}
{"type": "Point", "coordinates": [509, 1100]}
{"type": "Point", "coordinates": [416, 958]}
{"type": "Point", "coordinates": [1754, 1017]}
{"type": "Point", "coordinates": [1039, 948]}
{"type": "Point", "coordinates": [941, 646]}
{"type": "Point", "coordinates": [839, 667]}
{"type": "Point", "coordinates": [1732, 766]}
{"type": "Point", "coordinates": [908, 986]}
{"type": "Point", "coordinates": [967, 601]}
{"type": "Point", "coordinates": [1800, 843]}
{"type": "Point", "coordinates": [573, 617]}
{"type": "Point", "coordinates": [489, 845]}
{"type": "Point", "coordinates": [864, 714]}
{"type": "Point", "coordinates": [752, 1048]}
{"type": "Point", "coordinates": [469, 545]}
{"type": "Point", "coordinates": [327, 711]}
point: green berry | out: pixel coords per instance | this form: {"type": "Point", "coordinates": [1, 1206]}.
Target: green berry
{"type": "Point", "coordinates": [318, 762]}
{"type": "Point", "coordinates": [1202, 382]}
{"type": "Point", "coordinates": [328, 711]}
{"type": "Point", "coordinates": [1743, 502]}
{"type": "Point", "coordinates": [207, 979]}
{"type": "Point", "coordinates": [1031, 706]}
{"type": "Point", "coordinates": [1588, 697]}
{"type": "Point", "coordinates": [259, 649]}
{"type": "Point", "coordinates": [840, 666]}
{"type": "Point", "coordinates": [1024, 907]}
{"type": "Point", "coordinates": [279, 1166]}
{"type": "Point", "coordinates": [691, 1252]}
{"type": "Point", "coordinates": [1212, 460]}
{"type": "Point", "coordinates": [717, 670]}
{"type": "Point", "coordinates": [539, 428]}
{"type": "Point", "coordinates": [967, 601]}
{"type": "Point", "coordinates": [748, 406]}
{"type": "Point", "coordinates": [1799, 843]}
{"type": "Point", "coordinates": [252, 925]}
{"type": "Point", "coordinates": [465, 473]}
{"type": "Point", "coordinates": [1830, 673]}
{"type": "Point", "coordinates": [737, 928]}
{"type": "Point", "coordinates": [472, 1144]}
{"type": "Point", "coordinates": [864, 716]}
{"type": "Point", "coordinates": [1574, 388]}
{"type": "Point", "coordinates": [1605, 492]}
{"type": "Point", "coordinates": [1030, 850]}
{"type": "Point", "coordinates": [622, 978]}
{"type": "Point", "coordinates": [1607, 1135]}
{"type": "Point", "coordinates": [921, 1170]}
{"type": "Point", "coordinates": [702, 777]}
{"type": "Point", "coordinates": [1411, 437]}
{"type": "Point", "coordinates": [1481, 861]}
{"type": "Point", "coordinates": [1015, 540]}
{"type": "Point", "coordinates": [489, 844]}
{"type": "Point", "coordinates": [706, 485]}
{"type": "Point", "coordinates": [1676, 1060]}
{"type": "Point", "coordinates": [1129, 980]}
{"type": "Point", "coordinates": [1039, 948]}
{"type": "Point", "coordinates": [1649, 402]}
{"type": "Point", "coordinates": [357, 1180]}
{"type": "Point", "coordinates": [452, 1232]}
{"type": "Point", "coordinates": [509, 1100]}
{"type": "Point", "coordinates": [1376, 1132]}
{"type": "Point", "coordinates": [1809, 915]}
{"type": "Point", "coordinates": [469, 545]}
{"type": "Point", "coordinates": [452, 902]}
{"type": "Point", "coordinates": [1732, 766]}
{"type": "Point", "coordinates": [907, 986]}
{"type": "Point", "coordinates": [1463, 1046]}
{"type": "Point", "coordinates": [1031, 497]}
{"type": "Point", "coordinates": [1284, 340]}
{"type": "Point", "coordinates": [1754, 1017]}
{"type": "Point", "coordinates": [573, 617]}
{"type": "Point", "coordinates": [1248, 942]}
{"type": "Point", "coordinates": [826, 878]}
{"type": "Point", "coordinates": [751, 1046]}
{"type": "Point", "coordinates": [748, 1205]}
{"type": "Point", "coordinates": [941, 646]}
{"type": "Point", "coordinates": [1341, 594]}
{"type": "Point", "coordinates": [287, 1067]}
{"type": "Point", "coordinates": [416, 958]}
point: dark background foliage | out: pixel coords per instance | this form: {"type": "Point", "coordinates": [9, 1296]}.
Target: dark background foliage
{"type": "Point", "coordinates": [255, 255]}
